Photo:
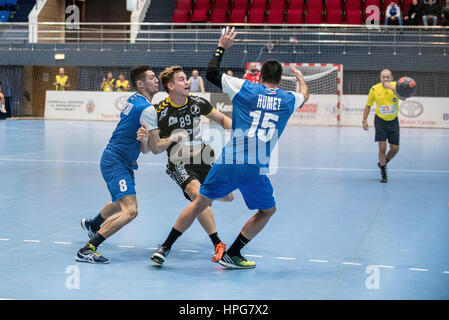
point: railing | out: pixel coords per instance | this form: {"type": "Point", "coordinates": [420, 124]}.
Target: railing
{"type": "Point", "coordinates": [249, 35]}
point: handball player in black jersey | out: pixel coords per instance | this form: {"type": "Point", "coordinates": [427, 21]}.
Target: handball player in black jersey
{"type": "Point", "coordinates": [188, 163]}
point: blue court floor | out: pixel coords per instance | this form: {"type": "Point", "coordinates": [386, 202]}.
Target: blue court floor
{"type": "Point", "coordinates": [338, 233]}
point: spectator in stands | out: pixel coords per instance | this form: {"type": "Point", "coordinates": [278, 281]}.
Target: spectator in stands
{"type": "Point", "coordinates": [445, 14]}
{"type": "Point", "coordinates": [196, 82]}
{"type": "Point", "coordinates": [253, 73]}
{"type": "Point", "coordinates": [230, 73]}
{"type": "Point", "coordinates": [61, 80]}
{"type": "Point", "coordinates": [108, 83]}
{"type": "Point", "coordinates": [122, 84]}
{"type": "Point", "coordinates": [413, 16]}
{"type": "Point", "coordinates": [430, 11]}
{"type": "Point", "coordinates": [2, 101]}
{"type": "Point", "coordinates": [393, 14]}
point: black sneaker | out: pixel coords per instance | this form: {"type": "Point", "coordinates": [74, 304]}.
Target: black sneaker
{"type": "Point", "coordinates": [86, 225]}
{"type": "Point", "coordinates": [90, 255]}
{"type": "Point", "coordinates": [383, 173]}
{"type": "Point", "coordinates": [160, 255]}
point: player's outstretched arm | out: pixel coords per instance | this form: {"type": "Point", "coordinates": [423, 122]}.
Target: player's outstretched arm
{"type": "Point", "coordinates": [213, 73]}
{"type": "Point", "coordinates": [157, 144]}
{"type": "Point", "coordinates": [303, 87]}
{"type": "Point", "coordinates": [221, 119]}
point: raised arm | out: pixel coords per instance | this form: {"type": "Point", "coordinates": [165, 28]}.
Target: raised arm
{"type": "Point", "coordinates": [213, 73]}
{"type": "Point", "coordinates": [303, 87]}
{"type": "Point", "coordinates": [221, 119]}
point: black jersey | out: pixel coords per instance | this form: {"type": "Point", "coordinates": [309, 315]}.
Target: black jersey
{"type": "Point", "coordinates": [187, 117]}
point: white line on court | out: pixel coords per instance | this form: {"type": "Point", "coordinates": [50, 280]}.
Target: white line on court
{"type": "Point", "coordinates": [31, 241]}
{"type": "Point", "coordinates": [386, 267]}
{"type": "Point", "coordinates": [61, 242]}
{"type": "Point", "coordinates": [318, 260]}
{"type": "Point", "coordinates": [280, 167]}
{"type": "Point", "coordinates": [191, 251]}
{"type": "Point", "coordinates": [352, 263]}
{"type": "Point", "coordinates": [419, 269]}
{"type": "Point", "coordinates": [129, 247]}
{"type": "Point", "coordinates": [253, 255]}
{"type": "Point", "coordinates": [5, 239]}
{"type": "Point", "coordinates": [285, 258]}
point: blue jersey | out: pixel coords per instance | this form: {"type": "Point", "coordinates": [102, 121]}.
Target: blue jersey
{"type": "Point", "coordinates": [259, 116]}
{"type": "Point", "coordinates": [123, 143]}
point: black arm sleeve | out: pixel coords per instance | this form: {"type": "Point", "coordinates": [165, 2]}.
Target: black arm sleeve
{"type": "Point", "coordinates": [213, 73]}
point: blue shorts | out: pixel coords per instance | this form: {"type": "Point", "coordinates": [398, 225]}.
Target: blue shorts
{"type": "Point", "coordinates": [118, 177]}
{"type": "Point", "coordinates": [255, 187]}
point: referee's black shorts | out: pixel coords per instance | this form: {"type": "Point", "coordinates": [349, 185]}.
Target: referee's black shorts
{"type": "Point", "coordinates": [387, 130]}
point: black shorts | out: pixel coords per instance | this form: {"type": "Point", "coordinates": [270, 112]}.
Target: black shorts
{"type": "Point", "coordinates": [387, 130]}
{"type": "Point", "coordinates": [183, 174]}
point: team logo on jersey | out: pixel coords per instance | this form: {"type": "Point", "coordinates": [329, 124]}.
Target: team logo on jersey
{"type": "Point", "coordinates": [90, 106]}
{"type": "Point", "coordinates": [172, 121]}
{"type": "Point", "coordinates": [120, 102]}
{"type": "Point", "coordinates": [195, 109]}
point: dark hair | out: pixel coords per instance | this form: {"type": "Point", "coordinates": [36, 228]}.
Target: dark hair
{"type": "Point", "coordinates": [271, 71]}
{"type": "Point", "coordinates": [138, 73]}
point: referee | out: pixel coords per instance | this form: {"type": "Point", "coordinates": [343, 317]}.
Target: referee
{"type": "Point", "coordinates": [386, 120]}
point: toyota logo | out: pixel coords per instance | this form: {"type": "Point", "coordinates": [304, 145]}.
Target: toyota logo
{"type": "Point", "coordinates": [411, 109]}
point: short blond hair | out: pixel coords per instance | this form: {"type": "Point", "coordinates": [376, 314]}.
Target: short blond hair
{"type": "Point", "coordinates": [168, 75]}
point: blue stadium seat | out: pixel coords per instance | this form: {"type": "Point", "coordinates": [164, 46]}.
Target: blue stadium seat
{"type": "Point", "coordinates": [11, 5]}
{"type": "Point", "coordinates": [4, 16]}
{"type": "Point", "coordinates": [2, 4]}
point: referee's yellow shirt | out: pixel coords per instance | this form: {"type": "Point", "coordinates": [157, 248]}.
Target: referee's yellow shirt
{"type": "Point", "coordinates": [387, 103]}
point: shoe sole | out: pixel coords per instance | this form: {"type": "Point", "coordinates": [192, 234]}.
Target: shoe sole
{"type": "Point", "coordinates": [158, 259]}
{"type": "Point", "coordinates": [234, 266]}
{"type": "Point", "coordinates": [88, 261]}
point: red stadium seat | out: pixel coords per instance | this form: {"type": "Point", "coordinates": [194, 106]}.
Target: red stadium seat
{"type": "Point", "coordinates": [314, 16]}
{"type": "Point", "coordinates": [180, 16]}
{"type": "Point", "coordinates": [240, 4]}
{"type": "Point", "coordinates": [334, 17]}
{"type": "Point", "coordinates": [219, 15]}
{"type": "Point", "coordinates": [275, 16]}
{"type": "Point", "coordinates": [372, 3]}
{"type": "Point", "coordinates": [352, 5]}
{"type": "Point", "coordinates": [296, 5]}
{"type": "Point", "coordinates": [202, 4]}
{"type": "Point", "coordinates": [221, 4]}
{"type": "Point", "coordinates": [237, 16]}
{"type": "Point", "coordinates": [184, 5]}
{"type": "Point", "coordinates": [333, 5]}
{"type": "Point", "coordinates": [199, 15]}
{"type": "Point", "coordinates": [256, 15]}
{"type": "Point", "coordinates": [315, 5]}
{"type": "Point", "coordinates": [294, 16]}
{"type": "Point", "coordinates": [277, 5]}
{"type": "Point", "coordinates": [354, 17]}
{"type": "Point", "coordinates": [258, 4]}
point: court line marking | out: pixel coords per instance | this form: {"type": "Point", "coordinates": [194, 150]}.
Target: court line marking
{"type": "Point", "coordinates": [352, 263]}
{"type": "Point", "coordinates": [248, 255]}
{"type": "Point", "coordinates": [383, 266]}
{"type": "Point", "coordinates": [280, 167]}
{"type": "Point", "coordinates": [419, 269]}
{"type": "Point", "coordinates": [318, 260]}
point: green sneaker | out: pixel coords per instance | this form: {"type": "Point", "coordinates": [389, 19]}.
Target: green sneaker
{"type": "Point", "coordinates": [236, 262]}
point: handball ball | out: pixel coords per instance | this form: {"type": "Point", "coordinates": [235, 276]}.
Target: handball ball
{"type": "Point", "coordinates": [406, 87]}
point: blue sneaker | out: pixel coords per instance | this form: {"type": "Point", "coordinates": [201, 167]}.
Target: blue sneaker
{"type": "Point", "coordinates": [86, 225]}
{"type": "Point", "coordinates": [90, 256]}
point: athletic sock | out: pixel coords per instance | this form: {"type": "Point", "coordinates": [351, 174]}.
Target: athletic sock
{"type": "Point", "coordinates": [172, 237]}
{"type": "Point", "coordinates": [215, 239]}
{"type": "Point", "coordinates": [388, 160]}
{"type": "Point", "coordinates": [97, 222]}
{"type": "Point", "coordinates": [239, 243]}
{"type": "Point", "coordinates": [96, 240]}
